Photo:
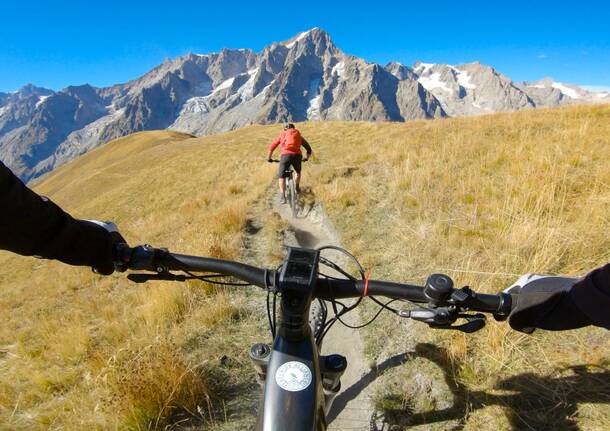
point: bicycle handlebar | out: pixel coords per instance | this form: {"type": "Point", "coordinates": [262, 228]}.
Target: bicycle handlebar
{"type": "Point", "coordinates": [337, 289]}
{"type": "Point", "coordinates": [148, 258]}
{"type": "Point", "coordinates": [161, 261]}
{"type": "Point", "coordinates": [305, 159]}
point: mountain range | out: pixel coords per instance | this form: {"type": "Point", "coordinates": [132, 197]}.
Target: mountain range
{"type": "Point", "coordinates": [306, 78]}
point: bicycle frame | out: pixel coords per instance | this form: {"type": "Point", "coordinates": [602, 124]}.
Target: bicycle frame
{"type": "Point", "coordinates": [302, 406]}
{"type": "Point", "coordinates": [299, 383]}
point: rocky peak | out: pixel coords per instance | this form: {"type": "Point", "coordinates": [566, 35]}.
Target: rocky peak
{"type": "Point", "coordinates": [31, 90]}
{"type": "Point", "coordinates": [400, 71]}
{"type": "Point", "coordinates": [84, 92]}
{"type": "Point", "coordinates": [313, 42]}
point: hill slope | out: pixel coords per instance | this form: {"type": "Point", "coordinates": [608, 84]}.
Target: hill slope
{"type": "Point", "coordinates": [482, 199]}
{"type": "Point", "coordinates": [478, 198]}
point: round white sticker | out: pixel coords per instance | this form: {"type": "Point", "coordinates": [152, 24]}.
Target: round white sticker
{"type": "Point", "coordinates": [293, 376]}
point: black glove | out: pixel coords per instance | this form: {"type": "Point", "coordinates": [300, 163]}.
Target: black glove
{"type": "Point", "coordinates": [109, 261]}
{"type": "Point", "coordinates": [544, 302]}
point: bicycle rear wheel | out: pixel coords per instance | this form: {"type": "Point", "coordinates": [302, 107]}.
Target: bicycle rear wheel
{"type": "Point", "coordinates": [293, 196]}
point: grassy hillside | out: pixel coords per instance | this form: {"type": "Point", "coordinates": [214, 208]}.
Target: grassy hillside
{"type": "Point", "coordinates": [481, 198]}
{"type": "Point", "coordinates": [79, 351]}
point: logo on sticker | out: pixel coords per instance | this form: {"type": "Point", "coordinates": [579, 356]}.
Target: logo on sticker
{"type": "Point", "coordinates": [293, 376]}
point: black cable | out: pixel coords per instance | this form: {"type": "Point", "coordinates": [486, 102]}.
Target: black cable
{"type": "Point", "coordinates": [381, 308]}
{"type": "Point", "coordinates": [337, 268]}
{"type": "Point", "coordinates": [347, 309]}
{"type": "Point", "coordinates": [347, 253]}
{"type": "Point", "coordinates": [274, 313]}
{"type": "Point", "coordinates": [269, 318]}
{"type": "Point", "coordinates": [329, 276]}
{"type": "Point", "coordinates": [271, 328]}
{"type": "Point", "coordinates": [206, 279]}
{"type": "Point", "coordinates": [381, 304]}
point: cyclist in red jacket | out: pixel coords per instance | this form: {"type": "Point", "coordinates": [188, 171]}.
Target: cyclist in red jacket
{"type": "Point", "coordinates": [290, 141]}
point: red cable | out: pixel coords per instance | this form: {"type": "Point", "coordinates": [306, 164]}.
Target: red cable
{"type": "Point", "coordinates": [366, 282]}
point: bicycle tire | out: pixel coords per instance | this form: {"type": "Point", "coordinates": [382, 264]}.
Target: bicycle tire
{"type": "Point", "coordinates": [293, 197]}
{"type": "Point", "coordinates": [287, 191]}
{"type": "Point", "coordinates": [316, 317]}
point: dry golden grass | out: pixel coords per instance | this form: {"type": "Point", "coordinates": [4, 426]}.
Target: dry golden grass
{"type": "Point", "coordinates": [81, 351]}
{"type": "Point", "coordinates": [482, 199]}
{"type": "Point", "coordinates": [478, 198]}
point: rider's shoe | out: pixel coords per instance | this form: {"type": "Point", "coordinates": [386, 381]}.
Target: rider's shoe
{"type": "Point", "coordinates": [282, 199]}
{"type": "Point", "coordinates": [298, 189]}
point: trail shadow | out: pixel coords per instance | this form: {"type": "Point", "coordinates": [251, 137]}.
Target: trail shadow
{"type": "Point", "coordinates": [304, 209]}
{"type": "Point", "coordinates": [537, 402]}
{"type": "Point", "coordinates": [251, 227]}
{"type": "Point", "coordinates": [305, 239]}
{"type": "Point", "coordinates": [305, 202]}
{"type": "Point", "coordinates": [354, 390]}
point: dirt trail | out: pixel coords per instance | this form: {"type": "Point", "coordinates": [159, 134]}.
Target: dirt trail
{"type": "Point", "coordinates": [352, 409]}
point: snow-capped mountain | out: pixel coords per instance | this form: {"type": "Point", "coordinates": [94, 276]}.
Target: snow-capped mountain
{"type": "Point", "coordinates": [471, 89]}
{"type": "Point", "coordinates": [304, 78]}
{"type": "Point", "coordinates": [474, 88]}
{"type": "Point", "coordinates": [547, 92]}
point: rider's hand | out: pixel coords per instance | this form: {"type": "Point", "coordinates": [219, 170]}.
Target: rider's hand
{"type": "Point", "coordinates": [542, 301]}
{"type": "Point", "coordinates": [108, 264]}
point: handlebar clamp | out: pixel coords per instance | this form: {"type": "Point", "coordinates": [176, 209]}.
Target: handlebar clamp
{"type": "Point", "coordinates": [143, 257]}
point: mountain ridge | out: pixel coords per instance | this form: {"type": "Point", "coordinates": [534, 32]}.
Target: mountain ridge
{"type": "Point", "coordinates": [303, 78]}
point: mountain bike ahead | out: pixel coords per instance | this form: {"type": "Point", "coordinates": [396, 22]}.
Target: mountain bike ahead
{"type": "Point", "coordinates": [299, 383]}
{"type": "Point", "coordinates": [292, 194]}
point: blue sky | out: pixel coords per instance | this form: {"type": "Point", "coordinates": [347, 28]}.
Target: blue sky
{"type": "Point", "coordinates": [59, 43]}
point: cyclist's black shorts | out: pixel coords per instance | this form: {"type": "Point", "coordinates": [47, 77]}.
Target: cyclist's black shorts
{"type": "Point", "coordinates": [288, 160]}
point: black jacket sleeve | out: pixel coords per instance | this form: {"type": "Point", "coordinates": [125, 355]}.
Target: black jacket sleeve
{"type": "Point", "coordinates": [33, 225]}
{"type": "Point", "coordinates": [591, 295]}
{"type": "Point", "coordinates": [306, 145]}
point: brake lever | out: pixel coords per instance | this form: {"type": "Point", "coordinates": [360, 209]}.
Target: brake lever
{"type": "Point", "coordinates": [474, 323]}
{"type": "Point", "coordinates": [436, 316]}
{"type": "Point", "coordinates": [442, 318]}
{"type": "Point", "coordinates": [166, 276]}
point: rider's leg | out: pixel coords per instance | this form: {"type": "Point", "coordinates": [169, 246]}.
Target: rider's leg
{"type": "Point", "coordinates": [280, 174]}
{"type": "Point", "coordinates": [296, 163]}
{"type": "Point", "coordinates": [282, 183]}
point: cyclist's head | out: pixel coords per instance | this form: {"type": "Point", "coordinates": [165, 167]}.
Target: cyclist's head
{"type": "Point", "coordinates": [288, 126]}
